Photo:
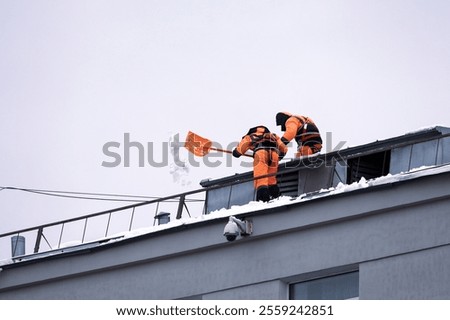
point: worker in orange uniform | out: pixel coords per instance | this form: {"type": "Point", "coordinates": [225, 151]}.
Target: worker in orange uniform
{"type": "Point", "coordinates": [267, 149]}
{"type": "Point", "coordinates": [304, 131]}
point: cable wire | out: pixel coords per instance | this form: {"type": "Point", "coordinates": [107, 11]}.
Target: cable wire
{"type": "Point", "coordinates": [90, 196]}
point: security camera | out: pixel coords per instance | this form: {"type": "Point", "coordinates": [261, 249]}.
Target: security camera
{"type": "Point", "coordinates": [236, 227]}
{"type": "Point", "coordinates": [231, 231]}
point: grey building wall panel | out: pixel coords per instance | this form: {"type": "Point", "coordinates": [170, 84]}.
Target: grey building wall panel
{"type": "Point", "coordinates": [400, 159]}
{"type": "Point", "coordinates": [339, 173]}
{"type": "Point", "coordinates": [289, 241]}
{"type": "Point", "coordinates": [417, 275]}
{"type": "Point", "coordinates": [443, 151]}
{"type": "Point", "coordinates": [218, 199]}
{"type": "Point", "coordinates": [242, 193]}
{"type": "Point", "coordinates": [424, 154]}
{"type": "Point", "coordinates": [225, 197]}
{"type": "Point", "coordinates": [315, 179]}
{"type": "Point", "coordinates": [428, 153]}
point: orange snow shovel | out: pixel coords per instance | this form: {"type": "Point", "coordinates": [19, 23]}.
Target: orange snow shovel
{"type": "Point", "coordinates": [201, 146]}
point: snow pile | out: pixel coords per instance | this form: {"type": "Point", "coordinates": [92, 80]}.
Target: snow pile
{"type": "Point", "coordinates": [427, 128]}
{"type": "Point", "coordinates": [341, 188]}
{"type": "Point", "coordinates": [221, 213]}
{"type": "Point", "coordinates": [254, 206]}
{"type": "Point", "coordinates": [389, 178]}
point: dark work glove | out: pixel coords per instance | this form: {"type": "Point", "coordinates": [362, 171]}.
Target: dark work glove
{"type": "Point", "coordinates": [236, 153]}
{"type": "Point", "coordinates": [284, 140]}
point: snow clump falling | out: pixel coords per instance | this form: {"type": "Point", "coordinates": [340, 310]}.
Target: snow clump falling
{"type": "Point", "coordinates": [178, 168]}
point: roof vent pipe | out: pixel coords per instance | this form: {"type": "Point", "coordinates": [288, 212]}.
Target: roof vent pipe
{"type": "Point", "coordinates": [163, 217]}
{"type": "Point", "coordinates": [17, 246]}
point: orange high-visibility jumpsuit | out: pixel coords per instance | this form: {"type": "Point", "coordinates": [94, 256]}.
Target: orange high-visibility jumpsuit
{"type": "Point", "coordinates": [267, 149]}
{"type": "Point", "coordinates": [303, 129]}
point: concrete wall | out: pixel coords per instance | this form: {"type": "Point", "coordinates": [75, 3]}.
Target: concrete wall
{"type": "Point", "coordinates": [418, 275]}
{"type": "Point", "coordinates": [396, 235]}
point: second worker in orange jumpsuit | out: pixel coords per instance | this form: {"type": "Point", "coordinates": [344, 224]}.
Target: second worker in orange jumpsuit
{"type": "Point", "coordinates": [303, 130]}
{"type": "Point", "coordinates": [267, 149]}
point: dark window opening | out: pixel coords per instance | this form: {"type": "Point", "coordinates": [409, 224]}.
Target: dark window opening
{"type": "Point", "coordinates": [370, 166]}
{"type": "Point", "coordinates": [338, 287]}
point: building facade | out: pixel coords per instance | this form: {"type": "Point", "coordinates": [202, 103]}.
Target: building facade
{"type": "Point", "coordinates": [371, 222]}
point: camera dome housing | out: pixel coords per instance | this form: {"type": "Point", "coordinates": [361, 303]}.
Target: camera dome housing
{"type": "Point", "coordinates": [236, 227]}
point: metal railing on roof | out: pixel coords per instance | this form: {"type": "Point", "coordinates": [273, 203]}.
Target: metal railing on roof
{"type": "Point", "coordinates": [51, 236]}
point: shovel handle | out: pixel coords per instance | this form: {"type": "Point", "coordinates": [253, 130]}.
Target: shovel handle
{"type": "Point", "coordinates": [228, 151]}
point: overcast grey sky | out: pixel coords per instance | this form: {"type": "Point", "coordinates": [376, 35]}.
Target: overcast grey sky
{"type": "Point", "coordinates": [75, 75]}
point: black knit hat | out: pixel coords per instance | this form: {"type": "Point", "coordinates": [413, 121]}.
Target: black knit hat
{"type": "Point", "coordinates": [281, 119]}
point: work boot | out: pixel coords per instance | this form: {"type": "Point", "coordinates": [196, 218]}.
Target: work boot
{"type": "Point", "coordinates": [262, 194]}
{"type": "Point", "coordinates": [274, 191]}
